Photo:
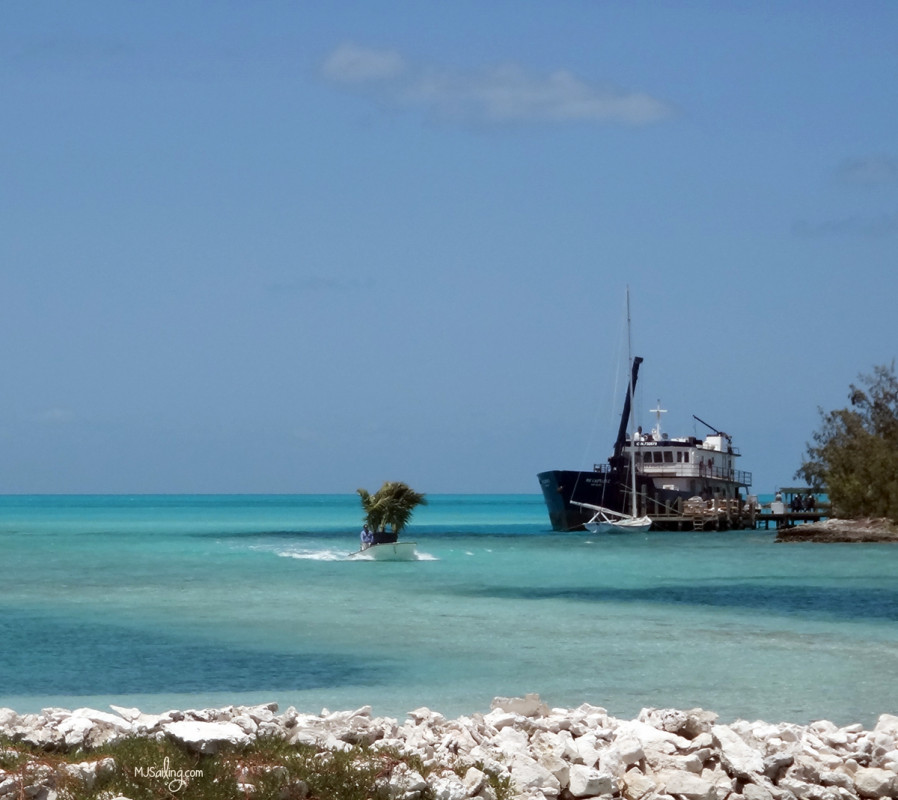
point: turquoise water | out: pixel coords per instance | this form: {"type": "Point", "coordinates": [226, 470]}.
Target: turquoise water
{"type": "Point", "coordinates": [162, 602]}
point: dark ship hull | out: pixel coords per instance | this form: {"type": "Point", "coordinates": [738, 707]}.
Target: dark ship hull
{"type": "Point", "coordinates": [563, 489]}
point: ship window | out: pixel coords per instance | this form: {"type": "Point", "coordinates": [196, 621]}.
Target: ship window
{"type": "Point", "coordinates": [657, 456]}
{"type": "Point", "coordinates": [668, 457]}
{"type": "Point", "coordinates": [679, 456]}
{"type": "Point", "coordinates": [686, 457]}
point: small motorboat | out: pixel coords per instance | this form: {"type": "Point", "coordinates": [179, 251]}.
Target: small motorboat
{"type": "Point", "coordinates": [388, 551]}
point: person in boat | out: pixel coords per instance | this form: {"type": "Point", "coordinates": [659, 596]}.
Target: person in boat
{"type": "Point", "coordinates": [367, 537]}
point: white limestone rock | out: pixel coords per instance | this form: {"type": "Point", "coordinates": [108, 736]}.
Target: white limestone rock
{"type": "Point", "coordinates": [511, 742]}
{"type": "Point", "coordinates": [801, 789]}
{"type": "Point", "coordinates": [698, 721]}
{"type": "Point", "coordinates": [475, 780]}
{"type": "Point", "coordinates": [805, 768]}
{"type": "Point", "coordinates": [559, 744]}
{"type": "Point", "coordinates": [404, 782]}
{"type": "Point", "coordinates": [247, 724]}
{"type": "Point", "coordinates": [419, 716]}
{"type": "Point", "coordinates": [671, 720]}
{"type": "Point", "coordinates": [629, 750]}
{"type": "Point", "coordinates": [588, 750]}
{"type": "Point", "coordinates": [267, 711]}
{"type": "Point", "coordinates": [579, 752]}
{"type": "Point", "coordinates": [776, 764]}
{"type": "Point", "coordinates": [335, 745]}
{"type": "Point", "coordinates": [718, 778]}
{"type": "Point", "coordinates": [527, 775]}
{"type": "Point", "coordinates": [887, 724]}
{"type": "Point", "coordinates": [87, 772]}
{"type": "Point", "coordinates": [753, 791]}
{"type": "Point", "coordinates": [634, 785]}
{"type": "Point", "coordinates": [890, 761]}
{"type": "Point", "coordinates": [560, 768]}
{"type": "Point", "coordinates": [687, 763]}
{"type": "Point", "coordinates": [873, 782]}
{"type": "Point", "coordinates": [737, 757]}
{"type": "Point", "coordinates": [499, 719]}
{"type": "Point", "coordinates": [103, 718]}
{"type": "Point", "coordinates": [74, 731]}
{"type": "Point", "coordinates": [835, 778]}
{"type": "Point", "coordinates": [207, 737]}
{"type": "Point", "coordinates": [648, 735]}
{"type": "Point", "coordinates": [528, 706]}
{"type": "Point", "coordinates": [8, 718]}
{"type": "Point", "coordinates": [588, 782]}
{"type": "Point", "coordinates": [448, 787]}
{"type": "Point", "coordinates": [686, 785]}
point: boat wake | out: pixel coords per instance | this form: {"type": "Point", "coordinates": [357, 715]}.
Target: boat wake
{"type": "Point", "coordinates": [315, 555]}
{"type": "Point", "coordinates": [339, 555]}
{"type": "Point", "coordinates": [417, 557]}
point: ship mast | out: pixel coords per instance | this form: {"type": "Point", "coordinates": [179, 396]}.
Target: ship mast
{"type": "Point", "coordinates": [630, 409]}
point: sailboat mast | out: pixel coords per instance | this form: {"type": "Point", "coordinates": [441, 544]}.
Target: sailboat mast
{"type": "Point", "coordinates": [632, 435]}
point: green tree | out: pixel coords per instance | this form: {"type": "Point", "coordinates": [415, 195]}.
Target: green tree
{"type": "Point", "coordinates": [392, 504]}
{"type": "Point", "coordinates": [854, 454]}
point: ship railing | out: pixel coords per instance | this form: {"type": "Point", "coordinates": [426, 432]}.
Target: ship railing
{"type": "Point", "coordinates": [740, 476]}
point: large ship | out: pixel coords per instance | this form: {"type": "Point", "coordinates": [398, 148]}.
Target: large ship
{"type": "Point", "coordinates": [673, 478]}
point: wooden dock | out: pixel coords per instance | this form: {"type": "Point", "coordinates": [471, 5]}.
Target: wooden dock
{"type": "Point", "coordinates": [734, 522]}
{"type": "Point", "coordinates": [728, 516]}
{"type": "Point", "coordinates": [732, 514]}
{"type": "Point", "coordinates": [789, 519]}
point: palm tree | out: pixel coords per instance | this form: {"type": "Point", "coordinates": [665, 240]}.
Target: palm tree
{"type": "Point", "coordinates": [393, 505]}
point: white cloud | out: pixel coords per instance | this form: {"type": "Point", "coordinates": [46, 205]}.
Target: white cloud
{"type": "Point", "coordinates": [501, 94]}
{"type": "Point", "coordinates": [352, 64]}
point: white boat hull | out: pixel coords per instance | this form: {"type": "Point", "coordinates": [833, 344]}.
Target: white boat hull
{"type": "Point", "coordinates": [636, 525]}
{"type": "Point", "coordinates": [607, 521]}
{"type": "Point", "coordinates": [394, 551]}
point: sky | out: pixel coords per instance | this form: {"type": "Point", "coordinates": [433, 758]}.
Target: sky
{"type": "Point", "coordinates": [303, 247]}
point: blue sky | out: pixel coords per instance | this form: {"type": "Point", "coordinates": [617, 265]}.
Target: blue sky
{"type": "Point", "coordinates": [306, 247]}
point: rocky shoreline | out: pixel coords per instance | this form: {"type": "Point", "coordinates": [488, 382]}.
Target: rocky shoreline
{"type": "Point", "coordinates": [841, 530]}
{"type": "Point", "coordinates": [539, 753]}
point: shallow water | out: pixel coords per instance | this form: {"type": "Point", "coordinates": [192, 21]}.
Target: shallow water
{"type": "Point", "coordinates": [164, 602]}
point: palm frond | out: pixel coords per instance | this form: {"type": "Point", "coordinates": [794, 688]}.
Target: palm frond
{"type": "Point", "coordinates": [393, 504]}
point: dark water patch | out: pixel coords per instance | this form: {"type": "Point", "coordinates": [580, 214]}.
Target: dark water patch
{"type": "Point", "coordinates": [48, 656]}
{"type": "Point", "coordinates": [826, 601]}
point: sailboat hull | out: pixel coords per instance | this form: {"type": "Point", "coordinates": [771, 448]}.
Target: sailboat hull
{"type": "Point", "coordinates": [637, 525]}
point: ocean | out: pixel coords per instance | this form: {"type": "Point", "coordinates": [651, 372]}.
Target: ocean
{"type": "Point", "coordinates": [164, 602]}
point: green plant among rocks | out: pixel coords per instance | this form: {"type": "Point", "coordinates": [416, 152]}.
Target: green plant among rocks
{"type": "Point", "coordinates": [141, 768]}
